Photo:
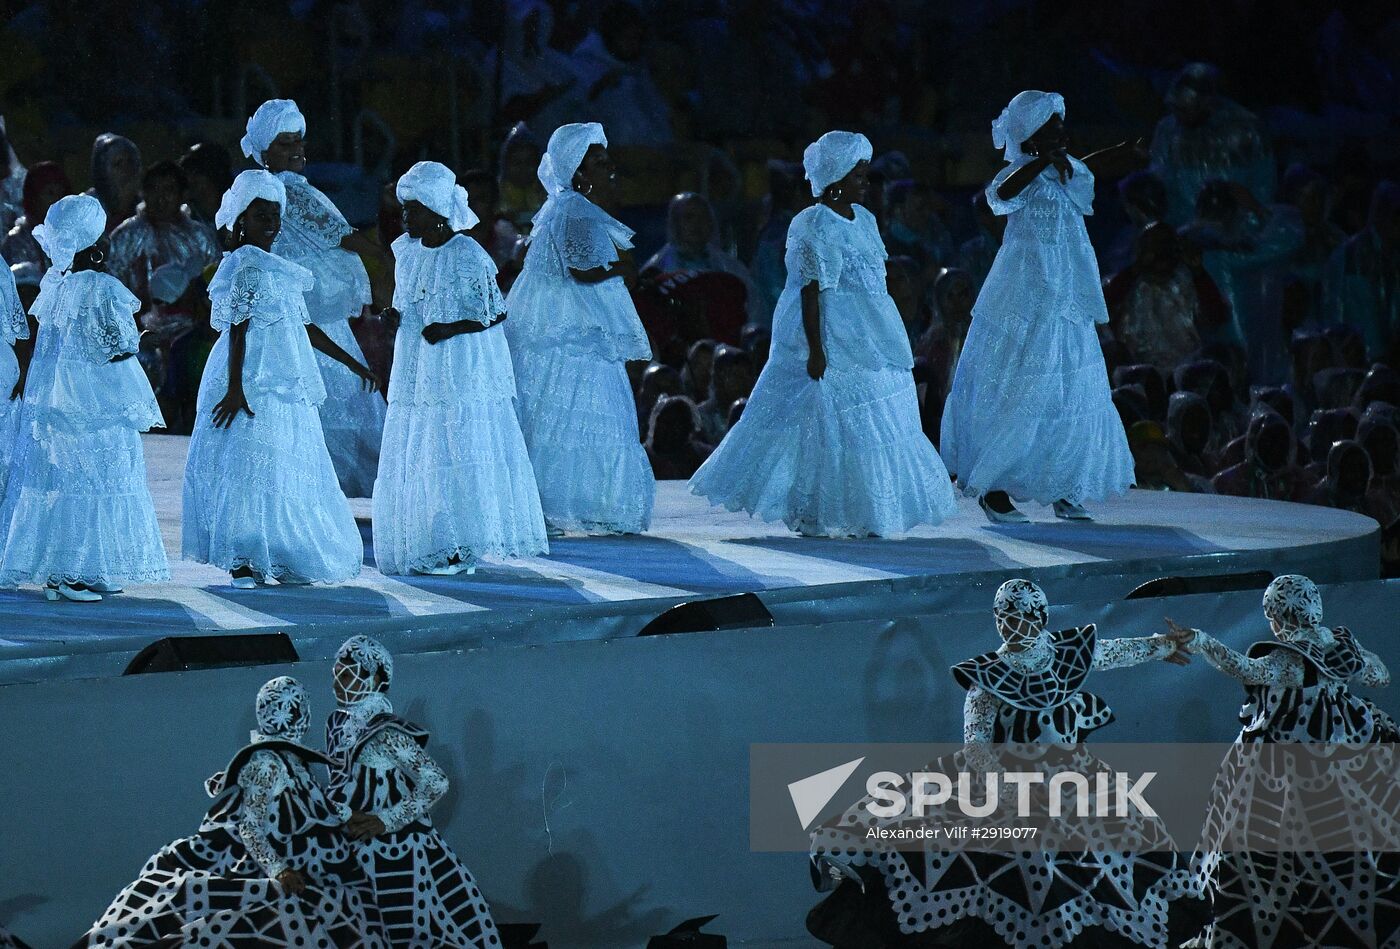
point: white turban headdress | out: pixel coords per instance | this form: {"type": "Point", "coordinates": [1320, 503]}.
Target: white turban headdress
{"type": "Point", "coordinates": [434, 186]}
{"type": "Point", "coordinates": [273, 117]}
{"type": "Point", "coordinates": [565, 152]}
{"type": "Point", "coordinates": [1022, 118]}
{"type": "Point", "coordinates": [246, 188]}
{"type": "Point", "coordinates": [73, 223]}
{"type": "Point", "coordinates": [831, 158]}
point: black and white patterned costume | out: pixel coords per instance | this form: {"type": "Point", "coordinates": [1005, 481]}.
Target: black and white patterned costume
{"type": "Point", "coordinates": [1309, 802]}
{"type": "Point", "coordinates": [379, 767]}
{"type": "Point", "coordinates": [269, 815]}
{"type": "Point", "coordinates": [1026, 704]}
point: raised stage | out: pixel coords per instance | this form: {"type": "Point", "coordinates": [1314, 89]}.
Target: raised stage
{"type": "Point", "coordinates": [601, 587]}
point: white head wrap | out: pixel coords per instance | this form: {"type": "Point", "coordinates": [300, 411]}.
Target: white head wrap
{"type": "Point", "coordinates": [246, 188]}
{"type": "Point", "coordinates": [283, 711]}
{"type": "Point", "coordinates": [273, 117]}
{"type": "Point", "coordinates": [1023, 600]}
{"type": "Point", "coordinates": [434, 186]}
{"type": "Point", "coordinates": [73, 223]}
{"type": "Point", "coordinates": [1294, 603]}
{"type": "Point", "coordinates": [567, 146]}
{"type": "Point", "coordinates": [831, 158]}
{"type": "Point", "coordinates": [1022, 118]}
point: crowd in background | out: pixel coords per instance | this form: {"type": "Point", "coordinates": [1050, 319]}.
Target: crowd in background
{"type": "Point", "coordinates": [1251, 265]}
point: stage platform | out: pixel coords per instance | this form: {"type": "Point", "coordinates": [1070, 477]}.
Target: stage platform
{"type": "Point", "coordinates": [599, 587]}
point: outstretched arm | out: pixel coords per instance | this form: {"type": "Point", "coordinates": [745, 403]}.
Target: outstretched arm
{"type": "Point", "coordinates": [1020, 179]}
{"type": "Point", "coordinates": [1277, 668]}
{"type": "Point", "coordinates": [323, 343]}
{"type": "Point", "coordinates": [1122, 653]}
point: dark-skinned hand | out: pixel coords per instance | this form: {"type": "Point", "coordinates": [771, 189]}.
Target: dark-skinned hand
{"type": "Point", "coordinates": [18, 390]}
{"type": "Point", "coordinates": [364, 827]}
{"type": "Point", "coordinates": [816, 364]}
{"type": "Point", "coordinates": [227, 408]}
{"type": "Point", "coordinates": [291, 882]}
{"type": "Point", "coordinates": [368, 380]}
{"type": "Point", "coordinates": [391, 316]}
{"type": "Point", "coordinates": [1059, 160]}
{"type": "Point", "coordinates": [437, 332]}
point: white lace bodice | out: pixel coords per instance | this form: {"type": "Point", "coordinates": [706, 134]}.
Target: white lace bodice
{"type": "Point", "coordinates": [571, 232]}
{"type": "Point", "coordinates": [861, 327]}
{"type": "Point", "coordinates": [456, 281]}
{"type": "Point", "coordinates": [1046, 265]}
{"type": "Point", "coordinates": [254, 285]}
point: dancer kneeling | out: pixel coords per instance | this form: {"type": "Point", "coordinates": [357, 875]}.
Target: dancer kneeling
{"type": "Point", "coordinates": [1030, 415]}
{"type": "Point", "coordinates": [830, 441]}
{"type": "Point", "coordinates": [261, 497]}
{"type": "Point", "coordinates": [1026, 699]}
{"type": "Point", "coordinates": [388, 782]}
{"type": "Point", "coordinates": [455, 482]}
{"type": "Point", "coordinates": [1307, 781]}
{"type": "Point", "coordinates": [78, 516]}
{"type": "Point", "coordinates": [572, 330]}
{"type": "Point", "coordinates": [270, 865]}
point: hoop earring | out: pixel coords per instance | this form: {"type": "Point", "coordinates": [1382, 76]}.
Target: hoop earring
{"type": "Point", "coordinates": [97, 256]}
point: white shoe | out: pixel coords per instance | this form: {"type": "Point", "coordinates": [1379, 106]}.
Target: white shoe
{"type": "Point", "coordinates": [100, 587]}
{"type": "Point", "coordinates": [1069, 511]}
{"type": "Point", "coordinates": [293, 580]}
{"type": "Point", "coordinates": [63, 590]}
{"type": "Point", "coordinates": [552, 532]}
{"type": "Point", "coordinates": [449, 570]}
{"type": "Point", "coordinates": [243, 583]}
{"type": "Point", "coordinates": [1012, 516]}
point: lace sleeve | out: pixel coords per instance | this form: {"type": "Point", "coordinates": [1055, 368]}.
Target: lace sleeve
{"type": "Point", "coordinates": [428, 779]}
{"type": "Point", "coordinates": [979, 727]}
{"type": "Point", "coordinates": [1122, 653]}
{"type": "Point", "coordinates": [262, 780]}
{"type": "Point", "coordinates": [13, 322]}
{"type": "Point", "coordinates": [1280, 667]}
{"type": "Point", "coordinates": [813, 259]}
{"type": "Point", "coordinates": [586, 243]}
{"type": "Point", "coordinates": [1001, 206]}
{"type": "Point", "coordinates": [314, 216]}
{"type": "Point", "coordinates": [1374, 673]}
{"type": "Point", "coordinates": [480, 296]}
{"type": "Point", "coordinates": [246, 293]}
{"type": "Point", "coordinates": [109, 332]}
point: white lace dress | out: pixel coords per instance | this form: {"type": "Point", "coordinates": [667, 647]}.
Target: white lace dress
{"type": "Point", "coordinates": [262, 493]}
{"type": "Point", "coordinates": [426, 895]}
{"type": "Point", "coordinates": [353, 419]}
{"type": "Point", "coordinates": [1030, 411]}
{"type": "Point", "coordinates": [454, 478]}
{"type": "Point", "coordinates": [14, 325]}
{"type": "Point", "coordinates": [77, 508]}
{"type": "Point", "coordinates": [845, 455]}
{"type": "Point", "coordinates": [570, 343]}
{"type": "Point", "coordinates": [216, 888]}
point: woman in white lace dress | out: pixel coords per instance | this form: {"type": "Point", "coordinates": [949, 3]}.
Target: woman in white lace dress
{"type": "Point", "coordinates": [1030, 415]}
{"type": "Point", "coordinates": [830, 442]}
{"type": "Point", "coordinates": [78, 518]}
{"type": "Point", "coordinates": [386, 779]}
{"type": "Point", "coordinates": [260, 496]}
{"type": "Point", "coordinates": [572, 331]}
{"type": "Point", "coordinates": [270, 865]}
{"type": "Point", "coordinates": [1026, 709]}
{"type": "Point", "coordinates": [316, 235]}
{"type": "Point", "coordinates": [1309, 881]}
{"type": "Point", "coordinates": [455, 482]}
{"type": "Point", "coordinates": [14, 326]}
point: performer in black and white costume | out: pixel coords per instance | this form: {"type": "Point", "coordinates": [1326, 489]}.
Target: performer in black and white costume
{"type": "Point", "coordinates": [1026, 697]}
{"type": "Point", "coordinates": [382, 774]}
{"type": "Point", "coordinates": [270, 865]}
{"type": "Point", "coordinates": [1313, 886]}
